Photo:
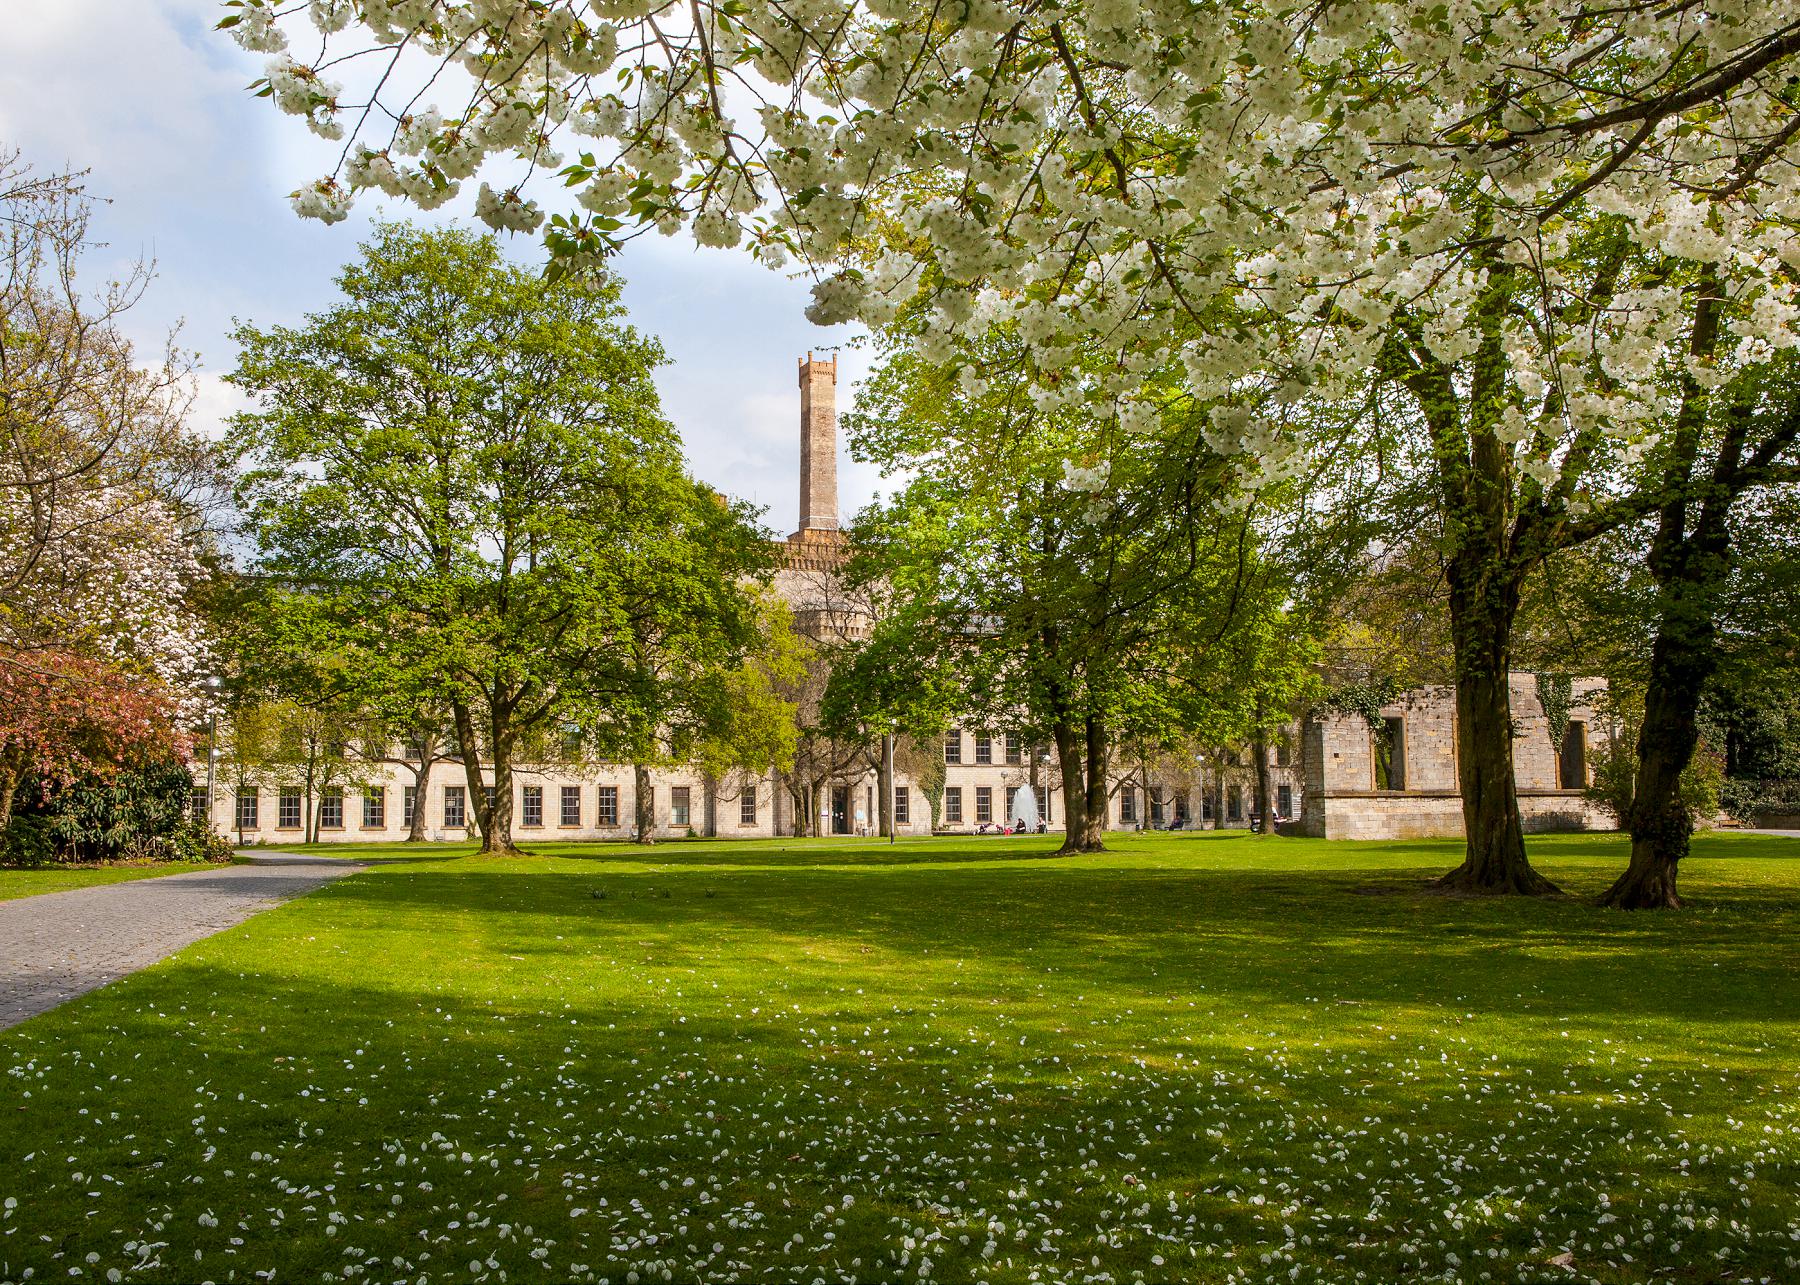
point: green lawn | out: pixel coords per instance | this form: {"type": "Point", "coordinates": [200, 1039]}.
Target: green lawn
{"type": "Point", "coordinates": [1195, 1058]}
{"type": "Point", "coordinates": [29, 883]}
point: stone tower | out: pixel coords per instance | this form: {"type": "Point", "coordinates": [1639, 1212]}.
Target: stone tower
{"type": "Point", "coordinates": [818, 445]}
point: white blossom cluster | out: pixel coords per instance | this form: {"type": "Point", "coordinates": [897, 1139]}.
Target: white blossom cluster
{"type": "Point", "coordinates": [1244, 203]}
{"type": "Point", "coordinates": [113, 578]}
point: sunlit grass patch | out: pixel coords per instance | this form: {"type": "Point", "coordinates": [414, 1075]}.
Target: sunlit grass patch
{"type": "Point", "coordinates": [1195, 1057]}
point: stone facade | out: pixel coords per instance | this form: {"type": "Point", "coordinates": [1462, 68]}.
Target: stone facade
{"type": "Point", "coordinates": [1352, 790]}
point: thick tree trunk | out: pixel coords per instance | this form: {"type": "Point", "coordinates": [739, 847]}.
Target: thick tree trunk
{"type": "Point", "coordinates": [1095, 809]}
{"type": "Point", "coordinates": [1069, 749]}
{"type": "Point", "coordinates": [469, 746]}
{"type": "Point", "coordinates": [1690, 566]}
{"type": "Point", "coordinates": [802, 806]}
{"type": "Point", "coordinates": [643, 803]}
{"type": "Point", "coordinates": [1218, 792]}
{"type": "Point", "coordinates": [1483, 603]}
{"type": "Point", "coordinates": [1265, 793]}
{"type": "Point", "coordinates": [496, 827]}
{"type": "Point", "coordinates": [1682, 660]}
{"type": "Point", "coordinates": [421, 780]}
{"type": "Point", "coordinates": [1495, 860]}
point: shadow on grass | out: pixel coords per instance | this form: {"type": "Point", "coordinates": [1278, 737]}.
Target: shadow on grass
{"type": "Point", "coordinates": [622, 1088]}
{"type": "Point", "coordinates": [1271, 938]}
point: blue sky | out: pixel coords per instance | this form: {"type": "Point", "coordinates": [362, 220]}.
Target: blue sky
{"type": "Point", "coordinates": [145, 95]}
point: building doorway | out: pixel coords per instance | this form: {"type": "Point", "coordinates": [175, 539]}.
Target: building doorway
{"type": "Point", "coordinates": [840, 809]}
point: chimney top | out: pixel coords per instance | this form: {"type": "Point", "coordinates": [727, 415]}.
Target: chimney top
{"type": "Point", "coordinates": [818, 445]}
{"type": "Point", "coordinates": [809, 366]}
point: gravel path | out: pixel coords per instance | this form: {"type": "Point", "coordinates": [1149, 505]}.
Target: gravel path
{"type": "Point", "coordinates": [59, 945]}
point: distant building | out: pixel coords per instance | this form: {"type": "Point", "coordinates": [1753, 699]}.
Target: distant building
{"type": "Point", "coordinates": [1399, 780]}
{"type": "Point", "coordinates": [1340, 779]}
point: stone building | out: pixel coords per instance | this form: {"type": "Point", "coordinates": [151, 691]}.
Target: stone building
{"type": "Point", "coordinates": [1398, 780]}
{"type": "Point", "coordinates": [1333, 776]}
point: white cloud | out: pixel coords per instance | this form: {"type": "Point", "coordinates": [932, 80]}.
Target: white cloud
{"type": "Point", "coordinates": [215, 402]}
{"type": "Point", "coordinates": [145, 94]}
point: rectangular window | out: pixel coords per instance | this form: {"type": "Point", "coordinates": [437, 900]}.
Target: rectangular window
{"type": "Point", "coordinates": [1181, 805]}
{"type": "Point", "coordinates": [984, 803]}
{"type": "Point", "coordinates": [984, 748]}
{"type": "Point", "coordinates": [246, 809]}
{"type": "Point", "coordinates": [1571, 762]}
{"type": "Point", "coordinates": [609, 806]}
{"type": "Point", "coordinates": [1012, 797]}
{"type": "Point", "coordinates": [1156, 805]}
{"type": "Point", "coordinates": [197, 809]}
{"type": "Point", "coordinates": [953, 805]}
{"type": "Point", "coordinates": [487, 795]}
{"type": "Point", "coordinates": [747, 806]}
{"type": "Point", "coordinates": [678, 805]}
{"type": "Point", "coordinates": [1390, 755]}
{"type": "Point", "coordinates": [375, 807]}
{"type": "Point", "coordinates": [953, 746]}
{"type": "Point", "coordinates": [1128, 804]}
{"type": "Point", "coordinates": [1014, 752]}
{"type": "Point", "coordinates": [287, 809]}
{"type": "Point", "coordinates": [331, 809]}
{"type": "Point", "coordinates": [1043, 798]}
{"type": "Point", "coordinates": [1284, 800]}
{"type": "Point", "coordinates": [902, 805]}
{"type": "Point", "coordinates": [1234, 805]}
{"type": "Point", "coordinates": [409, 801]}
{"type": "Point", "coordinates": [1281, 755]}
{"type": "Point", "coordinates": [571, 806]}
{"type": "Point", "coordinates": [456, 812]}
{"type": "Point", "coordinates": [531, 805]}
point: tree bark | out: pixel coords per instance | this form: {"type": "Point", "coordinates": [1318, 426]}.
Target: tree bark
{"type": "Point", "coordinates": [1683, 658]}
{"type": "Point", "coordinates": [421, 776]}
{"type": "Point", "coordinates": [1069, 748]}
{"type": "Point", "coordinates": [1094, 809]}
{"type": "Point", "coordinates": [643, 803]}
{"type": "Point", "coordinates": [1690, 568]}
{"type": "Point", "coordinates": [469, 746]}
{"type": "Point", "coordinates": [1265, 793]}
{"type": "Point", "coordinates": [496, 826]}
{"type": "Point", "coordinates": [1486, 565]}
{"type": "Point", "coordinates": [884, 785]}
{"type": "Point", "coordinates": [428, 758]}
{"type": "Point", "coordinates": [1495, 860]}
{"type": "Point", "coordinates": [1659, 820]}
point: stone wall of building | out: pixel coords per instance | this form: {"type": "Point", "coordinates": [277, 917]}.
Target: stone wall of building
{"type": "Point", "coordinates": [1342, 801]}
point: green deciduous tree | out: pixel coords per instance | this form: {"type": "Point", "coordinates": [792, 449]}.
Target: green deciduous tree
{"type": "Point", "coordinates": [464, 474]}
{"type": "Point", "coordinates": [1087, 600]}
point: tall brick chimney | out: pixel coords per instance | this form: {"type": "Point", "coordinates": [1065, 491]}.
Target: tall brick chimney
{"type": "Point", "coordinates": [818, 444]}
